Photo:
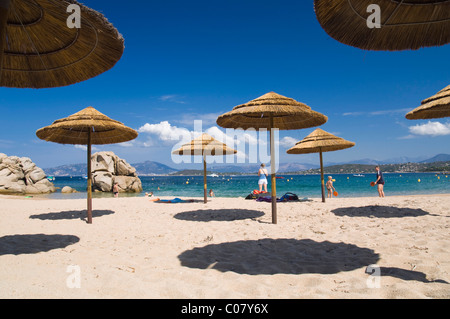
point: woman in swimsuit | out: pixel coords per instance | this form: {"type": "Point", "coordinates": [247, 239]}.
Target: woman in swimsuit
{"type": "Point", "coordinates": [262, 173]}
{"type": "Point", "coordinates": [380, 182]}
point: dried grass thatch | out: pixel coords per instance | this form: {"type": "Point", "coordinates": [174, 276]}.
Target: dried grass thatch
{"type": "Point", "coordinates": [87, 127]}
{"type": "Point", "coordinates": [75, 129]}
{"type": "Point", "coordinates": [205, 145]}
{"type": "Point", "coordinates": [405, 24]}
{"type": "Point", "coordinates": [437, 106]}
{"type": "Point", "coordinates": [40, 51]}
{"type": "Point", "coordinates": [272, 111]}
{"type": "Point", "coordinates": [287, 114]}
{"type": "Point", "coordinates": [320, 141]}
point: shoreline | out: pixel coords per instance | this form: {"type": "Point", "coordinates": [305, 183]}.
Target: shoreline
{"type": "Point", "coordinates": [256, 174]}
{"type": "Point", "coordinates": [82, 196]}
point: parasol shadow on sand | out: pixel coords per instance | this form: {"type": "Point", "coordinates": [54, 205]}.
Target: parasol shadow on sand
{"type": "Point", "coordinates": [39, 50]}
{"type": "Point", "coordinates": [219, 215]}
{"type": "Point", "coordinates": [204, 145]}
{"type": "Point", "coordinates": [320, 141]}
{"type": "Point", "coordinates": [279, 256]}
{"type": "Point", "coordinates": [376, 211]}
{"type": "Point", "coordinates": [34, 243]}
{"type": "Point", "coordinates": [87, 127]}
{"type": "Point", "coordinates": [436, 106]}
{"type": "Point", "coordinates": [272, 111]}
{"type": "Point", "coordinates": [403, 25]}
{"type": "Point", "coordinates": [71, 214]}
{"type": "Point", "coordinates": [291, 256]}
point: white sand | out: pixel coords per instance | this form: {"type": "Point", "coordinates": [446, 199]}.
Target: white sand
{"type": "Point", "coordinates": [227, 248]}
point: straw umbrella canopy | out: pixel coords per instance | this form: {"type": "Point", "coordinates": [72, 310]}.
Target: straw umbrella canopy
{"type": "Point", "coordinates": [320, 141]}
{"type": "Point", "coordinates": [87, 127]}
{"type": "Point", "coordinates": [204, 145]}
{"type": "Point", "coordinates": [404, 24]}
{"type": "Point", "coordinates": [38, 49]}
{"type": "Point", "coordinates": [272, 111]}
{"type": "Point", "coordinates": [437, 106]}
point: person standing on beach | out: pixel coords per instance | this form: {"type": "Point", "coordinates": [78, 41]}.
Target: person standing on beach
{"type": "Point", "coordinates": [116, 189]}
{"type": "Point", "coordinates": [330, 186]}
{"type": "Point", "coordinates": [380, 182]}
{"type": "Point", "coordinates": [262, 173]}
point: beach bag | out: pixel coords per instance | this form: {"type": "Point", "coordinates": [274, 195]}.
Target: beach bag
{"type": "Point", "coordinates": [289, 197]}
{"type": "Point", "coordinates": [251, 196]}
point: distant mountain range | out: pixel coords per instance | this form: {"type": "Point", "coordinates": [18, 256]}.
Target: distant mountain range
{"type": "Point", "coordinates": [153, 168]}
{"type": "Point", "coordinates": [438, 158]}
{"type": "Point", "coordinates": [149, 168]}
{"type": "Point", "coordinates": [67, 170]}
{"type": "Point", "coordinates": [143, 169]}
{"type": "Point", "coordinates": [443, 166]}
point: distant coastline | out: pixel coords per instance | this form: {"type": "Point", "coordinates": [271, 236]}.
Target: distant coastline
{"type": "Point", "coordinates": [434, 167]}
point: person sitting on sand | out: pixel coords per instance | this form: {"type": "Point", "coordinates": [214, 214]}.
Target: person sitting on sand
{"type": "Point", "coordinates": [149, 194]}
{"type": "Point", "coordinates": [262, 173]}
{"type": "Point", "coordinates": [211, 193]}
{"type": "Point", "coordinates": [116, 189]}
{"type": "Point", "coordinates": [330, 186]}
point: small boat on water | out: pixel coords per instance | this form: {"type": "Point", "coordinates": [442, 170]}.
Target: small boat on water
{"type": "Point", "coordinates": [213, 175]}
{"type": "Point", "coordinates": [358, 175]}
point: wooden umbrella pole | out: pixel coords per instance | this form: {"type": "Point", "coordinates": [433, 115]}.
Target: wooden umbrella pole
{"type": "Point", "coordinates": [5, 6]}
{"type": "Point", "coordinates": [89, 181]}
{"type": "Point", "coordinates": [321, 176]}
{"type": "Point", "coordinates": [272, 173]}
{"type": "Point", "coordinates": [205, 199]}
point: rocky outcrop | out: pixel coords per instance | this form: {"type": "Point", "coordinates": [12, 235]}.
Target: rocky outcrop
{"type": "Point", "coordinates": [107, 169]}
{"type": "Point", "coordinates": [68, 190]}
{"type": "Point", "coordinates": [19, 175]}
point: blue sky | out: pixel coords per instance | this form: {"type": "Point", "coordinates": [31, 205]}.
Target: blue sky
{"type": "Point", "coordinates": [187, 60]}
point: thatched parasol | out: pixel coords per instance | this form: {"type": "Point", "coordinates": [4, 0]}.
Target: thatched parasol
{"type": "Point", "coordinates": [87, 127]}
{"type": "Point", "coordinates": [437, 106]}
{"type": "Point", "coordinates": [272, 111]}
{"type": "Point", "coordinates": [204, 145]}
{"type": "Point", "coordinates": [404, 24]}
{"type": "Point", "coordinates": [39, 50]}
{"type": "Point", "coordinates": [320, 141]}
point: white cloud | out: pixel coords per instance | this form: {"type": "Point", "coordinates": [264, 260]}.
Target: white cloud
{"type": "Point", "coordinates": [288, 142]}
{"type": "Point", "coordinates": [431, 129]}
{"type": "Point", "coordinates": [126, 144]}
{"type": "Point", "coordinates": [238, 137]}
{"type": "Point", "coordinates": [166, 132]}
{"type": "Point", "coordinates": [386, 112]}
{"type": "Point", "coordinates": [352, 113]}
{"type": "Point", "coordinates": [172, 98]}
{"type": "Point", "coordinates": [188, 119]}
{"type": "Point", "coordinates": [219, 135]}
{"type": "Point", "coordinates": [250, 144]}
{"type": "Point", "coordinates": [375, 113]}
{"type": "Point", "coordinates": [407, 137]}
{"type": "Point", "coordinates": [84, 148]}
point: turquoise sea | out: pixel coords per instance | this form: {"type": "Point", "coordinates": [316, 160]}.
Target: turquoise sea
{"type": "Point", "coordinates": [347, 185]}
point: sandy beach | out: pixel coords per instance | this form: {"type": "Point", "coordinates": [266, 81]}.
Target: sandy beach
{"type": "Point", "coordinates": [227, 248]}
